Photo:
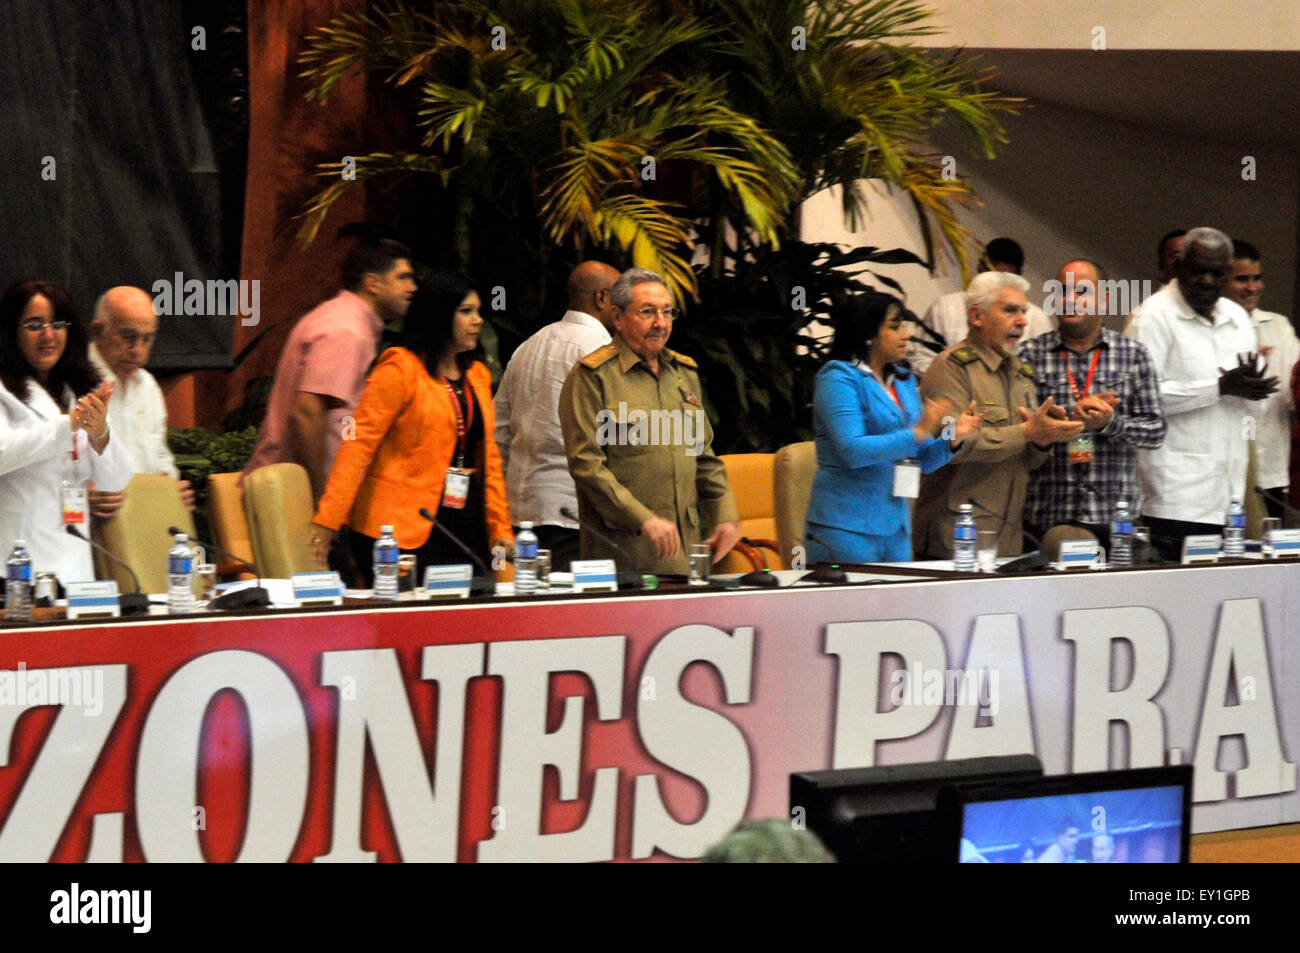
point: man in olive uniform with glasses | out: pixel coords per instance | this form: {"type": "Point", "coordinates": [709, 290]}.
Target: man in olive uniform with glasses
{"type": "Point", "coordinates": [639, 442]}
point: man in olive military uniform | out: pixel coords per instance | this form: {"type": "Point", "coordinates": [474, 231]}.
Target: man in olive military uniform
{"type": "Point", "coordinates": [639, 442]}
{"type": "Point", "coordinates": [993, 467]}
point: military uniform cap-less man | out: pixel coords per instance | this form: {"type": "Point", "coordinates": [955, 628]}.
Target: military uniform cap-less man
{"type": "Point", "coordinates": [639, 443]}
{"type": "Point", "coordinates": [992, 468]}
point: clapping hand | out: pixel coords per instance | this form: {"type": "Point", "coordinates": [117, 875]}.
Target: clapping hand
{"type": "Point", "coordinates": [1247, 379]}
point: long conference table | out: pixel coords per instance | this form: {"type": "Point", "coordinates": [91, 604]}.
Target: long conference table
{"type": "Point", "coordinates": [630, 725]}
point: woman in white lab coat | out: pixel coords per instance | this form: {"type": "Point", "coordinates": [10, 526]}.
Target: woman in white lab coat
{"type": "Point", "coordinates": [54, 430]}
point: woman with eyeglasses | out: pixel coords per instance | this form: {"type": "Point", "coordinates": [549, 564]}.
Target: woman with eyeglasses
{"type": "Point", "coordinates": [423, 439]}
{"type": "Point", "coordinates": [874, 437]}
{"type": "Point", "coordinates": [54, 430]}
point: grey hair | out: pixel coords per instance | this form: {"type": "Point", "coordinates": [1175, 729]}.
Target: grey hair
{"type": "Point", "coordinates": [621, 293]}
{"type": "Point", "coordinates": [768, 841]}
{"type": "Point", "coordinates": [1211, 239]}
{"type": "Point", "coordinates": [983, 290]}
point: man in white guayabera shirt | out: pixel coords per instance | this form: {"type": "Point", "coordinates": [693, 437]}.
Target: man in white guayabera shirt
{"type": "Point", "coordinates": [1211, 382]}
{"type": "Point", "coordinates": [538, 484]}
{"type": "Point", "coordinates": [122, 334]}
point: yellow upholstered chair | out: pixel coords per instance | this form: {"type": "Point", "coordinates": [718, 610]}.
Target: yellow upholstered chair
{"type": "Point", "coordinates": [793, 472]}
{"type": "Point", "coordinates": [750, 476]}
{"type": "Point", "coordinates": [138, 536]}
{"type": "Point", "coordinates": [229, 524]}
{"type": "Point", "coordinates": [279, 508]}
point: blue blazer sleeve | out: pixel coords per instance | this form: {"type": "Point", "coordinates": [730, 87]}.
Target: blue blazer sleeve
{"type": "Point", "coordinates": [936, 451]}
{"type": "Point", "coordinates": [844, 415]}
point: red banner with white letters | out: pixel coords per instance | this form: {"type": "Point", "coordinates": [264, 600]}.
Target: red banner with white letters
{"type": "Point", "coordinates": [639, 727]}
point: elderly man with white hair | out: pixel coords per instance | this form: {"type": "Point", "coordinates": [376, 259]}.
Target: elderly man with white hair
{"type": "Point", "coordinates": [993, 467]}
{"type": "Point", "coordinates": [1203, 348]}
{"type": "Point", "coordinates": [122, 334]}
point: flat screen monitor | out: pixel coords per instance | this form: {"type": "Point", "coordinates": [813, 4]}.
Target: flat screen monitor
{"type": "Point", "coordinates": [1136, 816]}
{"type": "Point", "coordinates": [886, 814]}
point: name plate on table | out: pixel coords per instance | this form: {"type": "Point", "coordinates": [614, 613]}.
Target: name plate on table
{"type": "Point", "coordinates": [317, 588]}
{"type": "Point", "coordinates": [1202, 549]}
{"type": "Point", "coordinates": [93, 600]}
{"type": "Point", "coordinates": [1077, 553]}
{"type": "Point", "coordinates": [1286, 543]}
{"type": "Point", "coordinates": [447, 582]}
{"type": "Point", "coordinates": [594, 575]}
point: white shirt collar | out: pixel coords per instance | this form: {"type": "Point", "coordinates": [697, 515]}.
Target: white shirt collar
{"type": "Point", "coordinates": [582, 317]}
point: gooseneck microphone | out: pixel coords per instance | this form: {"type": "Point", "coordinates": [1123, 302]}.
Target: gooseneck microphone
{"type": "Point", "coordinates": [254, 597]}
{"type": "Point", "coordinates": [484, 585]}
{"type": "Point", "coordinates": [626, 579]}
{"type": "Point", "coordinates": [132, 603]}
{"type": "Point", "coordinates": [1030, 562]}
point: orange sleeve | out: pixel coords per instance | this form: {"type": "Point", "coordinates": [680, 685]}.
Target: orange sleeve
{"type": "Point", "coordinates": [387, 391]}
{"type": "Point", "coordinates": [494, 481]}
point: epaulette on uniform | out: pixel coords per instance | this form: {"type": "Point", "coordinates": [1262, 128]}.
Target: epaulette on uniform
{"type": "Point", "coordinates": [683, 359]}
{"type": "Point", "coordinates": [965, 355]}
{"type": "Point", "coordinates": [1028, 370]}
{"type": "Point", "coordinates": [599, 356]}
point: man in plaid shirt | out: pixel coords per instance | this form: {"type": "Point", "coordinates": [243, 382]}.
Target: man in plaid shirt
{"type": "Point", "coordinates": [1107, 381]}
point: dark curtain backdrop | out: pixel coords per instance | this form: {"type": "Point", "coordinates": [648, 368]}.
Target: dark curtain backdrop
{"type": "Point", "coordinates": [147, 147]}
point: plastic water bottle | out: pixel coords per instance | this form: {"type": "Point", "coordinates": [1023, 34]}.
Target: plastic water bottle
{"type": "Point", "coordinates": [963, 541]}
{"type": "Point", "coordinates": [525, 560]}
{"type": "Point", "coordinates": [18, 584]}
{"type": "Point", "coordinates": [180, 576]}
{"type": "Point", "coordinates": [385, 565]}
{"type": "Point", "coordinates": [1121, 536]}
{"type": "Point", "coordinates": [1234, 530]}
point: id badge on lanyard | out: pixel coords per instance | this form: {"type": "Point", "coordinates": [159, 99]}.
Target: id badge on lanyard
{"type": "Point", "coordinates": [455, 488]}
{"type": "Point", "coordinates": [73, 492]}
{"type": "Point", "coordinates": [1082, 447]}
{"type": "Point", "coordinates": [907, 478]}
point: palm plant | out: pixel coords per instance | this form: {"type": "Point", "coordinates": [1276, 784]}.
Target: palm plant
{"type": "Point", "coordinates": [645, 131]}
{"type": "Point", "coordinates": [839, 85]}
{"type": "Point", "coordinates": [584, 103]}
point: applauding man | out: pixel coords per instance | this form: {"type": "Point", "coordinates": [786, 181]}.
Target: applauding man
{"type": "Point", "coordinates": [1107, 383]}
{"type": "Point", "coordinates": [1017, 433]}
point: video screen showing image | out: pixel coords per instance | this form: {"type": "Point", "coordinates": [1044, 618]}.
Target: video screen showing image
{"type": "Point", "coordinates": [1134, 826]}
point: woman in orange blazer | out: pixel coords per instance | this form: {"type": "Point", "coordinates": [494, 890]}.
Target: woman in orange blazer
{"type": "Point", "coordinates": [423, 438]}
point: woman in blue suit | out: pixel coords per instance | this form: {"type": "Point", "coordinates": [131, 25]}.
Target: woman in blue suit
{"type": "Point", "coordinates": [868, 421]}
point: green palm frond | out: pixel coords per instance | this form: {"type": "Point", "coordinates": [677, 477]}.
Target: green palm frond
{"type": "Point", "coordinates": [375, 165]}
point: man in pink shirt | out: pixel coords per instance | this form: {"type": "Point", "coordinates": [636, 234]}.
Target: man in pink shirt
{"type": "Point", "coordinates": [323, 367]}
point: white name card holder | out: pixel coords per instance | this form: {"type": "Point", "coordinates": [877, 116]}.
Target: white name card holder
{"type": "Point", "coordinates": [447, 582]}
{"type": "Point", "coordinates": [1286, 543]}
{"type": "Point", "coordinates": [594, 575]}
{"type": "Point", "coordinates": [317, 588]}
{"type": "Point", "coordinates": [1078, 554]}
{"type": "Point", "coordinates": [93, 600]}
{"type": "Point", "coordinates": [1201, 549]}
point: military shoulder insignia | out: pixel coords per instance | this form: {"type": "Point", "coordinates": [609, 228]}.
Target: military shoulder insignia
{"type": "Point", "coordinates": [684, 360]}
{"type": "Point", "coordinates": [965, 355]}
{"type": "Point", "coordinates": [1028, 370]}
{"type": "Point", "coordinates": [599, 356]}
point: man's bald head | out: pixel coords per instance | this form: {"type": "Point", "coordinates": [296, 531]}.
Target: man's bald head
{"type": "Point", "coordinates": [588, 288]}
{"type": "Point", "coordinates": [124, 328]}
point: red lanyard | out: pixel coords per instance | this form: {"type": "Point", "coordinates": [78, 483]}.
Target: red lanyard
{"type": "Point", "coordinates": [463, 421]}
{"type": "Point", "coordinates": [1087, 386]}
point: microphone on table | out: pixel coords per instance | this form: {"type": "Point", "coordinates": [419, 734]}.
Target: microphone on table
{"type": "Point", "coordinates": [254, 597]}
{"type": "Point", "coordinates": [632, 579]}
{"type": "Point", "coordinates": [1291, 510]}
{"type": "Point", "coordinates": [831, 574]}
{"type": "Point", "coordinates": [132, 603]}
{"type": "Point", "coordinates": [1030, 562]}
{"type": "Point", "coordinates": [484, 585]}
